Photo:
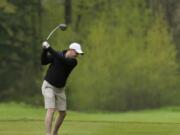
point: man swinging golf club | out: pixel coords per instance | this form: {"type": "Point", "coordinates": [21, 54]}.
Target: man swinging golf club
{"type": "Point", "coordinates": [53, 87]}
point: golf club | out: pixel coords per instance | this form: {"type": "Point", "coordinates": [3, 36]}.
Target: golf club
{"type": "Point", "coordinates": [63, 27]}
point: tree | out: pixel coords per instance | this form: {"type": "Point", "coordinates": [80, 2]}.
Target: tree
{"type": "Point", "coordinates": [126, 50]}
{"type": "Point", "coordinates": [20, 51]}
{"type": "Point", "coordinates": [68, 11]}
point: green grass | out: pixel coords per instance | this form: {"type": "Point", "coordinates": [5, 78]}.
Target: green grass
{"type": "Point", "coordinates": [19, 119]}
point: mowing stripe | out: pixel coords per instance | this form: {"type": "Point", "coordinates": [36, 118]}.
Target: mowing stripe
{"type": "Point", "coordinates": [91, 121]}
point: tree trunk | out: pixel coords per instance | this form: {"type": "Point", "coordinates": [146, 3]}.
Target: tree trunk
{"type": "Point", "coordinates": [68, 11]}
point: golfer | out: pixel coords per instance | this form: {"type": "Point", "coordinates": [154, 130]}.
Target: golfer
{"type": "Point", "coordinates": [53, 87]}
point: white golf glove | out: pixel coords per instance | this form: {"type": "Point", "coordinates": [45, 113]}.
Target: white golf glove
{"type": "Point", "coordinates": [45, 45]}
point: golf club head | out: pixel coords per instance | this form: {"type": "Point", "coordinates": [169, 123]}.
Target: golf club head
{"type": "Point", "coordinates": [63, 27]}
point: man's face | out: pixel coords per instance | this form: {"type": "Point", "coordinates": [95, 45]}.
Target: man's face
{"type": "Point", "coordinates": [73, 53]}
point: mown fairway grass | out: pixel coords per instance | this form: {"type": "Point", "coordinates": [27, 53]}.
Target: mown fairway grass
{"type": "Point", "coordinates": [18, 119]}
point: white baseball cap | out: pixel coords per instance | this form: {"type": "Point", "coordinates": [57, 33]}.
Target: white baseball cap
{"type": "Point", "coordinates": [76, 47]}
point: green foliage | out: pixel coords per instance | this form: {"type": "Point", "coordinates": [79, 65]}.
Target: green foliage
{"type": "Point", "coordinates": [130, 61]}
{"type": "Point", "coordinates": [19, 49]}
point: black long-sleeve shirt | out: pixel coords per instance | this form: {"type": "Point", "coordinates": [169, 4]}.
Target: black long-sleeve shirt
{"type": "Point", "coordinates": [60, 66]}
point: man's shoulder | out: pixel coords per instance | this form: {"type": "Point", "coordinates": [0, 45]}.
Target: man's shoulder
{"type": "Point", "coordinates": [63, 52]}
{"type": "Point", "coordinates": [74, 61]}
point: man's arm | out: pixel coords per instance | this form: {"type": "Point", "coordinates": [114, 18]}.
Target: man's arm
{"type": "Point", "coordinates": [67, 61]}
{"type": "Point", "coordinates": [56, 55]}
{"type": "Point", "coordinates": [45, 58]}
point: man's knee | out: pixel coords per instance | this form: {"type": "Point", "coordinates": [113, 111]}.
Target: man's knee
{"type": "Point", "coordinates": [51, 110]}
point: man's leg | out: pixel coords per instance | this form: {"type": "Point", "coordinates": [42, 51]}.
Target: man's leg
{"type": "Point", "coordinates": [48, 120]}
{"type": "Point", "coordinates": [59, 121]}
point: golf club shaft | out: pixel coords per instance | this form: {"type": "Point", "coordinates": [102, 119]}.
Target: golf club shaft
{"type": "Point", "coordinates": [52, 32]}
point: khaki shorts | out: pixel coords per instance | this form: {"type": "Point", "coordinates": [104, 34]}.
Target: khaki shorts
{"type": "Point", "coordinates": [53, 97]}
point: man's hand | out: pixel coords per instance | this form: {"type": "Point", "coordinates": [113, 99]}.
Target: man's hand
{"type": "Point", "coordinates": [45, 45]}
